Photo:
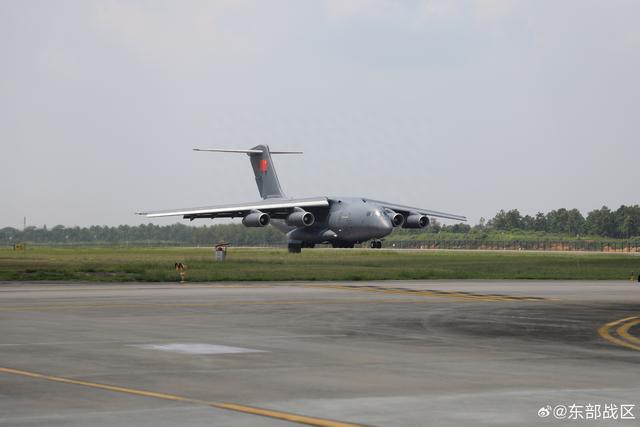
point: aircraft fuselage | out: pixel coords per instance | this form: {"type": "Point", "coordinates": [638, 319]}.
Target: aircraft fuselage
{"type": "Point", "coordinates": [348, 220]}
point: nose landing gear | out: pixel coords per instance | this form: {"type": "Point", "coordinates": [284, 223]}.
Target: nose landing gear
{"type": "Point", "coordinates": [376, 244]}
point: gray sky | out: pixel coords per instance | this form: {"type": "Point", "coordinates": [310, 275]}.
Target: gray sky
{"type": "Point", "coordinates": [460, 106]}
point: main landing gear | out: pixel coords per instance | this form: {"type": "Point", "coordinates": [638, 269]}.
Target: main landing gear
{"type": "Point", "coordinates": [339, 244]}
{"type": "Point", "coordinates": [294, 248]}
{"type": "Point", "coordinates": [376, 244]}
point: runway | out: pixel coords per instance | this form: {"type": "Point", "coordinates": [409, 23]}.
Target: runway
{"type": "Point", "coordinates": [406, 353]}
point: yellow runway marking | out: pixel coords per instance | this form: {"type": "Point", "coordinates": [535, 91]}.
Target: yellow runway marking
{"type": "Point", "coordinates": [286, 416]}
{"type": "Point", "coordinates": [457, 295]}
{"type": "Point", "coordinates": [621, 336]}
{"type": "Point", "coordinates": [415, 293]}
{"type": "Point", "coordinates": [623, 331]}
{"type": "Point", "coordinates": [294, 418]}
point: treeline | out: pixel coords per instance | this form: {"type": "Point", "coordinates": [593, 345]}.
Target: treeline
{"type": "Point", "coordinates": [237, 234]}
{"type": "Point", "coordinates": [623, 223]}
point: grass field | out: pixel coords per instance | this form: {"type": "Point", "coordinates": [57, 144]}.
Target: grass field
{"type": "Point", "coordinates": [157, 264]}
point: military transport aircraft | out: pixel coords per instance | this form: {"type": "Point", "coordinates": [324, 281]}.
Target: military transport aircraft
{"type": "Point", "coordinates": [341, 221]}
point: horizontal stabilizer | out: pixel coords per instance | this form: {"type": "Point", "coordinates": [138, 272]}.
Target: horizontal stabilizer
{"type": "Point", "coordinates": [224, 150]}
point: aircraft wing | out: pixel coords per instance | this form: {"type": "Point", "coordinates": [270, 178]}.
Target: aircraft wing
{"type": "Point", "coordinates": [408, 209]}
{"type": "Point", "coordinates": [276, 208]}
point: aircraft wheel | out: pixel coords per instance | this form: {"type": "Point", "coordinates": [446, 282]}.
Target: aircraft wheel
{"type": "Point", "coordinates": [374, 244]}
{"type": "Point", "coordinates": [294, 248]}
{"type": "Point", "coordinates": [378, 244]}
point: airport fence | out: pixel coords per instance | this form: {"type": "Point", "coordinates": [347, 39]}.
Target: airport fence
{"type": "Point", "coordinates": [138, 244]}
{"type": "Point", "coordinates": [521, 245]}
{"type": "Point", "coordinates": [507, 245]}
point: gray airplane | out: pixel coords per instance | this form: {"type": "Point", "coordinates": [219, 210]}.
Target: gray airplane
{"type": "Point", "coordinates": [341, 221]}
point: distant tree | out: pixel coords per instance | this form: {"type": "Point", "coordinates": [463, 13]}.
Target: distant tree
{"type": "Point", "coordinates": [510, 220]}
{"type": "Point", "coordinates": [499, 221]}
{"type": "Point", "coordinates": [528, 222]}
{"type": "Point", "coordinates": [540, 222]}
{"type": "Point", "coordinates": [627, 219]}
{"type": "Point", "coordinates": [459, 228]}
{"type": "Point", "coordinates": [575, 222]}
{"type": "Point", "coordinates": [601, 222]}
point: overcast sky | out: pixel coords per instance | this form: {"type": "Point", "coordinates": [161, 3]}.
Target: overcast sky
{"type": "Point", "coordinates": [462, 106]}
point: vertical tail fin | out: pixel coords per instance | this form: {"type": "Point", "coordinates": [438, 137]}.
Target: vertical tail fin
{"type": "Point", "coordinates": [263, 169]}
{"type": "Point", "coordinates": [265, 173]}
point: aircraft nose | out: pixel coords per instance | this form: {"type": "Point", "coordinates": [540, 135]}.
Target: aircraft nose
{"type": "Point", "coordinates": [384, 225]}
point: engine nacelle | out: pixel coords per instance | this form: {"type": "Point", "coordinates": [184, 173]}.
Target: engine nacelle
{"type": "Point", "coordinates": [256, 219]}
{"type": "Point", "coordinates": [300, 218]}
{"type": "Point", "coordinates": [396, 219]}
{"type": "Point", "coordinates": [416, 221]}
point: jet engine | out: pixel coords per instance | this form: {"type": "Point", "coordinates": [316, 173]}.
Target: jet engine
{"type": "Point", "coordinates": [416, 221]}
{"type": "Point", "coordinates": [300, 218]}
{"type": "Point", "coordinates": [256, 219]}
{"type": "Point", "coordinates": [396, 219]}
